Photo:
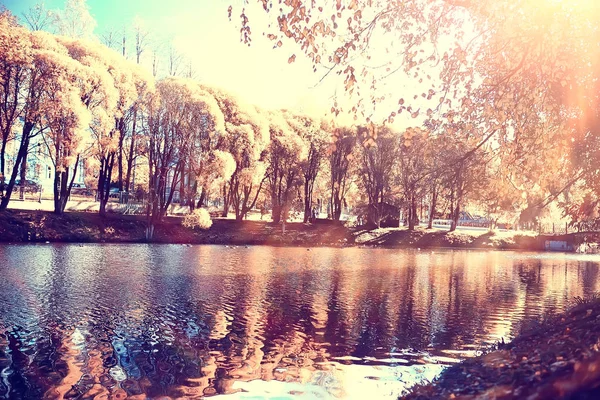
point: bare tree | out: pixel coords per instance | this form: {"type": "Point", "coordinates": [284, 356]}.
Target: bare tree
{"type": "Point", "coordinates": [141, 38]}
{"type": "Point", "coordinates": [155, 60]}
{"type": "Point", "coordinates": [113, 38]}
{"type": "Point", "coordinates": [124, 43]}
{"type": "Point", "coordinates": [38, 17]}
{"type": "Point", "coordinates": [75, 20]}
{"type": "Point", "coordinates": [174, 60]}
{"type": "Point", "coordinates": [189, 71]}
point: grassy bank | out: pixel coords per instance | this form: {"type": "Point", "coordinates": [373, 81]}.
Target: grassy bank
{"type": "Point", "coordinates": [42, 226]}
{"type": "Point", "coordinates": [557, 359]}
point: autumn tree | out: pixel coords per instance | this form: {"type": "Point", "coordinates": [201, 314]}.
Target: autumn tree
{"type": "Point", "coordinates": [314, 133]}
{"type": "Point", "coordinates": [43, 88]}
{"type": "Point", "coordinates": [22, 79]}
{"type": "Point", "coordinates": [341, 152]}
{"type": "Point", "coordinates": [432, 178]}
{"type": "Point", "coordinates": [415, 165]}
{"type": "Point", "coordinates": [580, 186]}
{"type": "Point", "coordinates": [129, 85]}
{"type": "Point", "coordinates": [141, 43]}
{"type": "Point", "coordinates": [464, 170]}
{"type": "Point", "coordinates": [172, 117]}
{"type": "Point", "coordinates": [216, 170]}
{"type": "Point", "coordinates": [91, 109]}
{"type": "Point", "coordinates": [245, 136]}
{"type": "Point", "coordinates": [205, 163]}
{"type": "Point", "coordinates": [378, 163]}
{"type": "Point", "coordinates": [16, 64]}
{"type": "Point", "coordinates": [498, 197]}
{"type": "Point", "coordinates": [285, 155]}
{"type": "Point", "coordinates": [514, 73]}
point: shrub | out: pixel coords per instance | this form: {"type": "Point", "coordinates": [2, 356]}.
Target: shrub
{"type": "Point", "coordinates": [200, 218]}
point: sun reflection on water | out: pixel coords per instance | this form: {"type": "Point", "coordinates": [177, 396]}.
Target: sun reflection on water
{"type": "Point", "coordinates": [149, 321]}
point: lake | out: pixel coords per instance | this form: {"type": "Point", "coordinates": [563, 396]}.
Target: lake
{"type": "Point", "coordinates": [151, 321]}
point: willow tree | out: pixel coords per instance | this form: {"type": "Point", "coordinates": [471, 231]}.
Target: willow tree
{"type": "Point", "coordinates": [245, 137]}
{"type": "Point", "coordinates": [314, 133]}
{"type": "Point", "coordinates": [286, 153]}
{"type": "Point", "coordinates": [206, 163]}
{"type": "Point", "coordinates": [66, 110]}
{"type": "Point", "coordinates": [173, 114]}
{"type": "Point", "coordinates": [107, 89]}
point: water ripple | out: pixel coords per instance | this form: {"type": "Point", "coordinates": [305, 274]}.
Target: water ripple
{"type": "Point", "coordinates": [177, 321]}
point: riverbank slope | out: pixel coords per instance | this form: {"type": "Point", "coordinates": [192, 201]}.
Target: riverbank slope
{"type": "Point", "coordinates": [41, 226]}
{"type": "Point", "coordinates": [558, 359]}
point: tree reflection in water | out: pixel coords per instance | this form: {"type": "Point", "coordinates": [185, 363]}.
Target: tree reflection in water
{"type": "Point", "coordinates": [148, 321]}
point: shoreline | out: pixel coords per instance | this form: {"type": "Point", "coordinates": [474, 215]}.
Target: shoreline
{"type": "Point", "coordinates": [25, 226]}
{"type": "Point", "coordinates": [557, 358]}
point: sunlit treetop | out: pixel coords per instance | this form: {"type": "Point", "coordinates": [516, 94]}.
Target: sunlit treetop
{"type": "Point", "coordinates": [491, 64]}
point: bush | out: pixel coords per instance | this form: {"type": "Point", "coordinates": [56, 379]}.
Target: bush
{"type": "Point", "coordinates": [200, 218]}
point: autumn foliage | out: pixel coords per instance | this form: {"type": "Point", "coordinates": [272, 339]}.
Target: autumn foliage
{"type": "Point", "coordinates": [516, 80]}
{"type": "Point", "coordinates": [498, 113]}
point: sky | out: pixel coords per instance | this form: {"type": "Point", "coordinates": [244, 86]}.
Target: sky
{"type": "Point", "coordinates": [201, 30]}
{"type": "Point", "coordinates": [259, 74]}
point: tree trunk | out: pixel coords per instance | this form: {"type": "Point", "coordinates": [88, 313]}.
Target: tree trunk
{"type": "Point", "coordinates": [56, 192]}
{"type": "Point", "coordinates": [22, 153]}
{"type": "Point", "coordinates": [182, 192]}
{"type": "Point", "coordinates": [411, 213]}
{"type": "Point", "coordinates": [239, 216]}
{"type": "Point", "coordinates": [307, 202]}
{"type": "Point", "coordinates": [23, 178]}
{"type": "Point", "coordinates": [415, 213]}
{"type": "Point", "coordinates": [68, 185]}
{"type": "Point", "coordinates": [193, 189]}
{"type": "Point", "coordinates": [432, 206]}
{"type": "Point", "coordinates": [60, 187]}
{"type": "Point", "coordinates": [455, 217]}
{"type": "Point", "coordinates": [247, 192]}
{"type": "Point", "coordinates": [106, 168]}
{"type": "Point", "coordinates": [2, 159]}
{"type": "Point", "coordinates": [336, 205]}
{"type": "Point", "coordinates": [226, 196]}
{"type": "Point", "coordinates": [276, 213]}
{"type": "Point", "coordinates": [202, 198]}
{"type": "Point", "coordinates": [121, 126]}
{"type": "Point", "coordinates": [337, 213]}
{"type": "Point", "coordinates": [131, 154]}
{"type": "Point", "coordinates": [166, 201]}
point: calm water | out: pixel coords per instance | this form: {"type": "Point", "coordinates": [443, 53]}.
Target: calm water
{"type": "Point", "coordinates": [166, 320]}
